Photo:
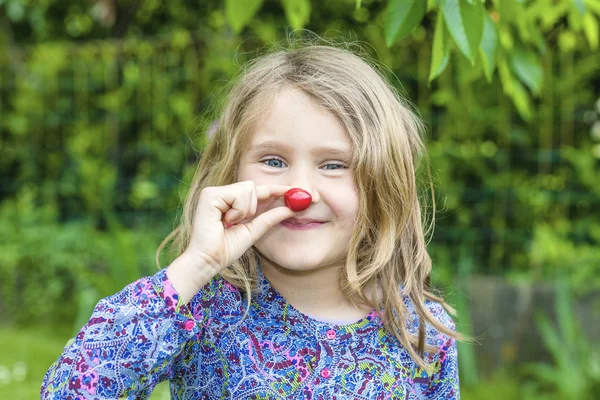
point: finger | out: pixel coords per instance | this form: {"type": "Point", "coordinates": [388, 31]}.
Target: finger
{"type": "Point", "coordinates": [264, 192]}
{"type": "Point", "coordinates": [235, 195]}
{"type": "Point", "coordinates": [241, 206]}
{"type": "Point", "coordinates": [268, 192]}
{"type": "Point", "coordinates": [232, 215]}
{"type": "Point", "coordinates": [267, 220]}
{"type": "Point", "coordinates": [224, 197]}
{"type": "Point", "coordinates": [253, 204]}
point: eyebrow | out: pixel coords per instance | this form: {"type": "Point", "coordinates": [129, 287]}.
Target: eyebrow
{"type": "Point", "coordinates": [275, 145]}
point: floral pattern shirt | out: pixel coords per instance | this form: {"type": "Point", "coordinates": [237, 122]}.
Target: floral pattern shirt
{"type": "Point", "coordinates": [144, 334]}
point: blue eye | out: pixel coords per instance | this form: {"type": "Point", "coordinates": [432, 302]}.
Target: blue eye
{"type": "Point", "coordinates": [278, 163]}
{"type": "Point", "coordinates": [273, 159]}
{"type": "Point", "coordinates": [339, 166]}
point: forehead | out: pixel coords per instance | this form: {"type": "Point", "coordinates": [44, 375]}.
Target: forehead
{"type": "Point", "coordinates": [295, 121]}
{"type": "Point", "coordinates": [335, 149]}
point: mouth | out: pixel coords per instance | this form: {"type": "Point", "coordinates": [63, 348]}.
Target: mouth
{"type": "Point", "coordinates": [301, 225]}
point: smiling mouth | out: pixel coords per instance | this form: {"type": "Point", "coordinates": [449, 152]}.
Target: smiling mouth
{"type": "Point", "coordinates": [310, 225]}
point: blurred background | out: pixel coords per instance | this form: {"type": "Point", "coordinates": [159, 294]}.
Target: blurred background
{"type": "Point", "coordinates": [106, 104]}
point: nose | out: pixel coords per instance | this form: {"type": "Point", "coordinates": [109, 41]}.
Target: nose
{"type": "Point", "coordinates": [303, 180]}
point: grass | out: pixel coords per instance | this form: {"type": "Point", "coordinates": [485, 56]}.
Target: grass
{"type": "Point", "coordinates": [33, 349]}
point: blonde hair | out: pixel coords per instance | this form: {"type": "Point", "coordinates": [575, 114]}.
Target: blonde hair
{"type": "Point", "coordinates": [389, 243]}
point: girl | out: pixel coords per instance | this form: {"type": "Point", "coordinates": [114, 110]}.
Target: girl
{"type": "Point", "coordinates": [262, 302]}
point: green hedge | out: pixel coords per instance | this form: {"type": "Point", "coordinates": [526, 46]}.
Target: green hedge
{"type": "Point", "coordinates": [110, 127]}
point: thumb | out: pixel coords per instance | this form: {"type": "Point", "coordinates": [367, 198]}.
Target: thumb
{"type": "Point", "coordinates": [267, 220]}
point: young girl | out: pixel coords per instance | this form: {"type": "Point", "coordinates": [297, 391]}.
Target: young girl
{"type": "Point", "coordinates": [332, 302]}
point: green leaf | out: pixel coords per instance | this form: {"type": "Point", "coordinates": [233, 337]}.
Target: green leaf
{"type": "Point", "coordinates": [401, 17]}
{"type": "Point", "coordinates": [521, 100]}
{"type": "Point", "coordinates": [513, 89]}
{"type": "Point", "coordinates": [593, 5]}
{"type": "Point", "coordinates": [566, 321]}
{"type": "Point", "coordinates": [548, 333]}
{"type": "Point", "coordinates": [297, 12]}
{"type": "Point", "coordinates": [240, 12]}
{"type": "Point", "coordinates": [15, 11]}
{"type": "Point", "coordinates": [440, 52]}
{"type": "Point", "coordinates": [543, 372]}
{"type": "Point", "coordinates": [487, 48]}
{"type": "Point", "coordinates": [465, 23]}
{"type": "Point", "coordinates": [590, 27]}
{"type": "Point", "coordinates": [528, 67]}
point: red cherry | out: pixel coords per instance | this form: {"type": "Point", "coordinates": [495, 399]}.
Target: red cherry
{"type": "Point", "coordinates": [297, 199]}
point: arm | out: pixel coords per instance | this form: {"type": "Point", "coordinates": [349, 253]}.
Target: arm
{"type": "Point", "coordinates": [131, 341]}
{"type": "Point", "coordinates": [444, 382]}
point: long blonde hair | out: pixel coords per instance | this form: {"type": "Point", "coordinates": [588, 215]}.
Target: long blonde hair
{"type": "Point", "coordinates": [389, 244]}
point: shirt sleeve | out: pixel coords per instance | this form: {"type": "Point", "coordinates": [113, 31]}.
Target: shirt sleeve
{"type": "Point", "coordinates": [443, 383]}
{"type": "Point", "coordinates": [130, 344]}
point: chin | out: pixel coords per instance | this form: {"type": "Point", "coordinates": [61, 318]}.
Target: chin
{"type": "Point", "coordinates": [297, 262]}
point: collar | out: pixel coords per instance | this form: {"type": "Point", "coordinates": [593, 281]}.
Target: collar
{"type": "Point", "coordinates": [270, 300]}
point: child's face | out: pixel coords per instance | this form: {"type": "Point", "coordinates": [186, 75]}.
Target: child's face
{"type": "Point", "coordinates": [301, 128]}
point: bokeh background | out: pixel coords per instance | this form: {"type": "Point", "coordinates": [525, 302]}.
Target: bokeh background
{"type": "Point", "coordinates": [105, 106]}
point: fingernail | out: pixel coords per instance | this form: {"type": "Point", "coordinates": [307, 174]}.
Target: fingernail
{"type": "Point", "coordinates": [228, 224]}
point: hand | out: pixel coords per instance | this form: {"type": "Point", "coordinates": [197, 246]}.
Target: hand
{"type": "Point", "coordinates": [218, 243]}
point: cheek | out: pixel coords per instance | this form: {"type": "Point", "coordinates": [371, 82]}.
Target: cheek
{"type": "Point", "coordinates": [345, 203]}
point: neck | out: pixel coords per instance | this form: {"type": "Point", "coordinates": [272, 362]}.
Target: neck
{"type": "Point", "coordinates": [316, 292]}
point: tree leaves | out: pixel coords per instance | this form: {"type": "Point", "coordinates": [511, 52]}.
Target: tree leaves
{"type": "Point", "coordinates": [440, 50]}
{"type": "Point", "coordinates": [465, 23]}
{"type": "Point", "coordinates": [487, 48]}
{"type": "Point", "coordinates": [240, 12]}
{"type": "Point", "coordinates": [514, 89]}
{"type": "Point", "coordinates": [590, 27]}
{"type": "Point", "coordinates": [401, 17]}
{"type": "Point", "coordinates": [580, 5]}
{"type": "Point", "coordinates": [297, 12]}
{"type": "Point", "coordinates": [528, 67]}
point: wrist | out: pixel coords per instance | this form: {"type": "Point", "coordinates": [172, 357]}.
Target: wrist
{"type": "Point", "coordinates": [189, 272]}
{"type": "Point", "coordinates": [199, 262]}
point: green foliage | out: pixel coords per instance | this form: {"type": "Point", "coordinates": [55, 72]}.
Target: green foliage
{"type": "Point", "coordinates": [39, 262]}
{"type": "Point", "coordinates": [575, 373]}
{"type": "Point", "coordinates": [49, 273]}
{"type": "Point", "coordinates": [297, 12]}
{"type": "Point", "coordinates": [528, 67]}
{"type": "Point", "coordinates": [440, 53]}
{"type": "Point", "coordinates": [240, 12]}
{"type": "Point", "coordinates": [465, 23]}
{"type": "Point", "coordinates": [488, 48]}
{"type": "Point", "coordinates": [500, 386]}
{"type": "Point", "coordinates": [592, 32]}
{"type": "Point", "coordinates": [552, 251]}
{"type": "Point", "coordinates": [107, 127]}
{"type": "Point", "coordinates": [401, 17]}
{"type": "Point", "coordinates": [130, 257]}
{"type": "Point", "coordinates": [510, 30]}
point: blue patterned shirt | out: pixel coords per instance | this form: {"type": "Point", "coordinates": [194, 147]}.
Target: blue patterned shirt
{"type": "Point", "coordinates": [144, 334]}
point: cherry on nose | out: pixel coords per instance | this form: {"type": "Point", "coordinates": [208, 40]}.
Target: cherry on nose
{"type": "Point", "coordinates": [297, 199]}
